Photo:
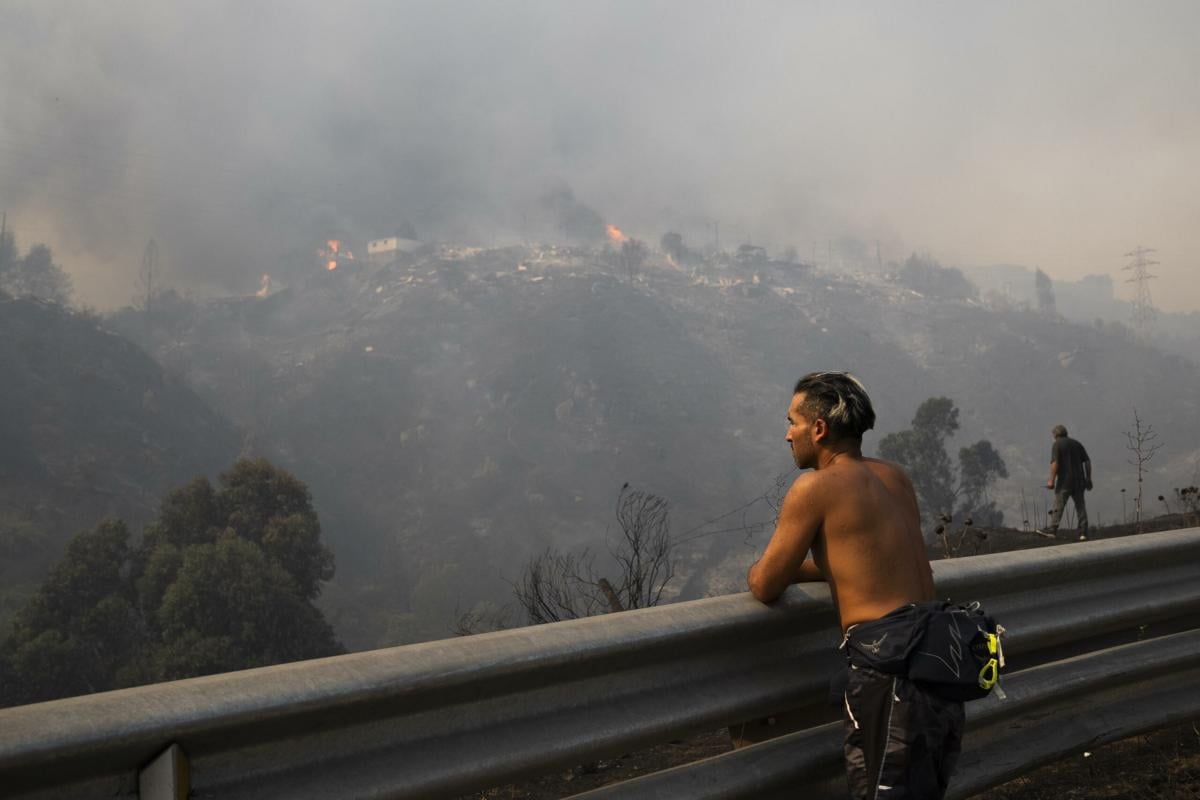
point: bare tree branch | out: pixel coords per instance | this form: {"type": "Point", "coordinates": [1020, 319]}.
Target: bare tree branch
{"type": "Point", "coordinates": [644, 554]}
{"type": "Point", "coordinates": [1143, 442]}
{"type": "Point", "coordinates": [557, 586]}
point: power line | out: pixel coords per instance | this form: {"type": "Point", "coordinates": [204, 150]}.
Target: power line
{"type": "Point", "coordinates": [708, 522]}
{"type": "Point", "coordinates": [750, 527]}
{"type": "Point", "coordinates": [691, 533]}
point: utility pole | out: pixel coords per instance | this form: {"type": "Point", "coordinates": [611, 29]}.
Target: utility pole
{"type": "Point", "coordinates": [1143, 308]}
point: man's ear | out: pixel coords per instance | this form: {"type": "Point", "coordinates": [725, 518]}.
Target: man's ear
{"type": "Point", "coordinates": [820, 429]}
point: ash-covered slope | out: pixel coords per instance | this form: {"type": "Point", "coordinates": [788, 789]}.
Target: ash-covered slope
{"type": "Point", "coordinates": [455, 416]}
{"type": "Point", "coordinates": [458, 411]}
{"type": "Point", "coordinates": [90, 427]}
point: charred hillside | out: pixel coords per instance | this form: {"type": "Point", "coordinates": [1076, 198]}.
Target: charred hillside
{"type": "Point", "coordinates": [456, 411]}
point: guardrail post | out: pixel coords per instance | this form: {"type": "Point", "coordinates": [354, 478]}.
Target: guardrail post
{"type": "Point", "coordinates": [166, 777]}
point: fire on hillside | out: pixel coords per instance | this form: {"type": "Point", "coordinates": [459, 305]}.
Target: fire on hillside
{"type": "Point", "coordinates": [615, 234]}
{"type": "Point", "coordinates": [333, 255]}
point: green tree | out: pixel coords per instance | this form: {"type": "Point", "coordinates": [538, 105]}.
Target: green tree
{"type": "Point", "coordinates": [273, 509]}
{"type": "Point", "coordinates": [231, 606]}
{"type": "Point", "coordinates": [80, 627]}
{"type": "Point", "coordinates": [921, 450]}
{"type": "Point", "coordinates": [979, 466]}
{"type": "Point", "coordinates": [940, 488]}
{"type": "Point", "coordinates": [223, 579]}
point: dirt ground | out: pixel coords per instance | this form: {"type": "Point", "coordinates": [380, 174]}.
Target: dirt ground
{"type": "Point", "coordinates": [960, 542]}
{"type": "Point", "coordinates": [632, 765]}
{"type": "Point", "coordinates": [1163, 765]}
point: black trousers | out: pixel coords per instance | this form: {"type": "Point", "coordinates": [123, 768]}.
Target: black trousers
{"type": "Point", "coordinates": [902, 742]}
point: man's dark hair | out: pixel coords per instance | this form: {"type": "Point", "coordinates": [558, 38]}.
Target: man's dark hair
{"type": "Point", "coordinates": [838, 398]}
{"type": "Point", "coordinates": [1059, 431]}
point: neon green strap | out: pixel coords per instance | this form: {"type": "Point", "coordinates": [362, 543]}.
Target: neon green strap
{"type": "Point", "coordinates": [991, 670]}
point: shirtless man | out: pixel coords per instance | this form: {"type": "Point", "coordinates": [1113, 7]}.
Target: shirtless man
{"type": "Point", "coordinates": [858, 518]}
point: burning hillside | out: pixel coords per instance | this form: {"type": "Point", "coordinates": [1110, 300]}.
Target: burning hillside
{"type": "Point", "coordinates": [334, 254]}
{"type": "Point", "coordinates": [615, 234]}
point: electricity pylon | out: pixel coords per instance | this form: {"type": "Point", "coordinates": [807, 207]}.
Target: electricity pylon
{"type": "Point", "coordinates": [1143, 307]}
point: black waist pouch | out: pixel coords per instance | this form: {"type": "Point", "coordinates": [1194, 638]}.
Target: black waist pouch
{"type": "Point", "coordinates": [958, 655]}
{"type": "Point", "coordinates": [954, 651]}
{"type": "Point", "coordinates": [886, 643]}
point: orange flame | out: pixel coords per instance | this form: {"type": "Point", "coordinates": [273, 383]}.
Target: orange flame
{"type": "Point", "coordinates": [333, 252]}
{"type": "Point", "coordinates": [615, 235]}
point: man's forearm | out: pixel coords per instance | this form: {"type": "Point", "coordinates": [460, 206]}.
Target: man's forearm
{"type": "Point", "coordinates": [766, 588]}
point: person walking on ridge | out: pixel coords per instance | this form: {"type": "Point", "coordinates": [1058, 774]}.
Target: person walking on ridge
{"type": "Point", "coordinates": [1070, 477]}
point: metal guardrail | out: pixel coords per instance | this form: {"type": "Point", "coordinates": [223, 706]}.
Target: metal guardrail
{"type": "Point", "coordinates": [1093, 626]}
{"type": "Point", "coordinates": [1050, 711]}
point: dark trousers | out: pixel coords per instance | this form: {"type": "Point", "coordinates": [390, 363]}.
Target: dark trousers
{"type": "Point", "coordinates": [1060, 505]}
{"type": "Point", "coordinates": [901, 741]}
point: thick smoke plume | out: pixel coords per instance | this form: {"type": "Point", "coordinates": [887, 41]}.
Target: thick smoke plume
{"type": "Point", "coordinates": [240, 135]}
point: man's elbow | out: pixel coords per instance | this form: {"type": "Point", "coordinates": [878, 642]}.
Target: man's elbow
{"type": "Point", "coordinates": [763, 590]}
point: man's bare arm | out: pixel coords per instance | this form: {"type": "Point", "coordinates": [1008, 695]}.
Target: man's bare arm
{"type": "Point", "coordinates": [799, 520]}
{"type": "Point", "coordinates": [1053, 474]}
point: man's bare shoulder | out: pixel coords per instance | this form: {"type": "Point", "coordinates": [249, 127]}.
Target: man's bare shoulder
{"type": "Point", "coordinates": [808, 491]}
{"type": "Point", "coordinates": [804, 484]}
{"type": "Point", "coordinates": [888, 468]}
{"type": "Point", "coordinates": [891, 464]}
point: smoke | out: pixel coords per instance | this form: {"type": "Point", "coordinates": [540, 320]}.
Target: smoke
{"type": "Point", "coordinates": [240, 136]}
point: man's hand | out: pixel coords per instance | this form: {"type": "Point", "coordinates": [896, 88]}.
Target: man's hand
{"type": "Point", "coordinates": [1050, 484]}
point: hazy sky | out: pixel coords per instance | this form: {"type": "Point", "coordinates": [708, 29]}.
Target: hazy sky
{"type": "Point", "coordinates": [238, 135]}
